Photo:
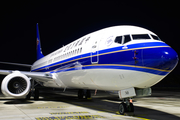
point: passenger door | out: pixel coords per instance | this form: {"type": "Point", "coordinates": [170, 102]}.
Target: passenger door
{"type": "Point", "coordinates": [94, 52]}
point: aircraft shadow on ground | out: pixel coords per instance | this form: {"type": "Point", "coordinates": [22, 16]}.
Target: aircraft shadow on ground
{"type": "Point", "coordinates": [15, 101]}
{"type": "Point", "coordinates": [18, 101]}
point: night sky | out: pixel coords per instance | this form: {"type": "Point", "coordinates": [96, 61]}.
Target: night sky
{"type": "Point", "coordinates": [63, 22]}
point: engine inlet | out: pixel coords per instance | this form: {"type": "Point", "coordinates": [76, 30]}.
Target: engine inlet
{"type": "Point", "coordinates": [17, 85]}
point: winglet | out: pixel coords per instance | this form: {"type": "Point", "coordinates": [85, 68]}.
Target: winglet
{"type": "Point", "coordinates": [38, 47]}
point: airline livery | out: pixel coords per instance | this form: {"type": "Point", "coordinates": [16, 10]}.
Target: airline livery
{"type": "Point", "coordinates": [126, 60]}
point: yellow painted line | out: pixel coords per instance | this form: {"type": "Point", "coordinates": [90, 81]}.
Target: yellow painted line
{"type": "Point", "coordinates": [61, 113]}
{"type": "Point", "coordinates": [138, 67]}
{"type": "Point", "coordinates": [81, 105]}
{"type": "Point", "coordinates": [117, 112]}
{"type": "Point", "coordinates": [101, 112]}
{"type": "Point", "coordinates": [132, 116]}
{"type": "Point", "coordinates": [117, 115]}
{"type": "Point", "coordinates": [71, 117]}
{"type": "Point", "coordinates": [127, 66]}
{"type": "Point", "coordinates": [52, 107]}
{"type": "Point", "coordinates": [143, 118]}
{"type": "Point", "coordinates": [118, 65]}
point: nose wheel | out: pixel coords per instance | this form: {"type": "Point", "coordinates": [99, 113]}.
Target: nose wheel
{"type": "Point", "coordinates": [127, 107]}
{"type": "Point", "coordinates": [122, 108]}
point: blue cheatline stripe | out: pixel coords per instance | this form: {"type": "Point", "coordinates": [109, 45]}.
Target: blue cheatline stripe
{"type": "Point", "coordinates": [114, 66]}
{"type": "Point", "coordinates": [86, 57]}
{"type": "Point", "coordinates": [135, 46]}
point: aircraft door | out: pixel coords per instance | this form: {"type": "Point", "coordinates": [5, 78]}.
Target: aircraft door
{"type": "Point", "coordinates": [137, 57]}
{"type": "Point", "coordinates": [94, 52]}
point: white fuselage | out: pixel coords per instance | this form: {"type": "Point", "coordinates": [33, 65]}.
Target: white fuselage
{"type": "Point", "coordinates": [99, 61]}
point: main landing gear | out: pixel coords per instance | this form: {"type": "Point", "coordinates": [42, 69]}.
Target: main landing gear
{"type": "Point", "coordinates": [33, 91]}
{"type": "Point", "coordinates": [84, 93]}
{"type": "Point", "coordinates": [126, 107]}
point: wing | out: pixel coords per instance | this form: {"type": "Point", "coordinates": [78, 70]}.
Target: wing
{"type": "Point", "coordinates": [34, 75]}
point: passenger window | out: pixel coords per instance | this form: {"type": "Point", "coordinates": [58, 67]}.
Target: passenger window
{"type": "Point", "coordinates": [65, 49]}
{"type": "Point", "coordinates": [127, 38]}
{"type": "Point", "coordinates": [82, 41]}
{"type": "Point", "coordinates": [80, 50]}
{"type": "Point", "coordinates": [118, 40]}
{"type": "Point", "coordinates": [73, 45]}
{"type": "Point", "coordinates": [77, 43]}
{"type": "Point", "coordinates": [87, 39]}
{"type": "Point", "coordinates": [69, 47]}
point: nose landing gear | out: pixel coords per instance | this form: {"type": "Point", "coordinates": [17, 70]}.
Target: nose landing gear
{"type": "Point", "coordinates": [126, 107]}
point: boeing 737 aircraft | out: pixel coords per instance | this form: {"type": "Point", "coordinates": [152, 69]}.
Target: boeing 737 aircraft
{"type": "Point", "coordinates": [124, 59]}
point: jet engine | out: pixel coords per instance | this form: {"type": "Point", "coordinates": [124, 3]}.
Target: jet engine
{"type": "Point", "coordinates": [16, 85]}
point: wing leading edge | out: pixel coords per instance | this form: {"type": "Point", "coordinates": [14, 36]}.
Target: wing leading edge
{"type": "Point", "coordinates": [34, 75]}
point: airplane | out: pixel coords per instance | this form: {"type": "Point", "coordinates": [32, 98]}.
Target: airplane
{"type": "Point", "coordinates": [124, 59]}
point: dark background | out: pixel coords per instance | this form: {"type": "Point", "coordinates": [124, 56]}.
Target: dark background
{"type": "Point", "coordinates": [61, 22]}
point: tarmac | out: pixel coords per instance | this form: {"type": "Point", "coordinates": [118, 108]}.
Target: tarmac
{"type": "Point", "coordinates": [59, 105]}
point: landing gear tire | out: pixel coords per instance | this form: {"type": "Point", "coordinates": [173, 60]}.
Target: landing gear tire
{"type": "Point", "coordinates": [36, 94]}
{"type": "Point", "coordinates": [80, 94]}
{"type": "Point", "coordinates": [122, 108]}
{"type": "Point", "coordinates": [130, 108]}
{"type": "Point", "coordinates": [28, 96]}
{"type": "Point", "coordinates": [88, 94]}
{"type": "Point", "coordinates": [126, 108]}
{"type": "Point", "coordinates": [33, 91]}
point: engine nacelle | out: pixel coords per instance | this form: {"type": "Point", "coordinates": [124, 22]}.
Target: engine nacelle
{"type": "Point", "coordinates": [16, 85]}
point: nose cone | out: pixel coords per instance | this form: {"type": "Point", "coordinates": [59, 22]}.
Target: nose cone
{"type": "Point", "coordinates": [169, 59]}
{"type": "Point", "coordinates": [164, 58]}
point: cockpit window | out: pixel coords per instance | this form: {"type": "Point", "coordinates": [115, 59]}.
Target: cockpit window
{"type": "Point", "coordinates": [127, 38]}
{"type": "Point", "coordinates": [123, 39]}
{"type": "Point", "coordinates": [140, 36]}
{"type": "Point", "coordinates": [118, 40]}
{"type": "Point", "coordinates": [155, 37]}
